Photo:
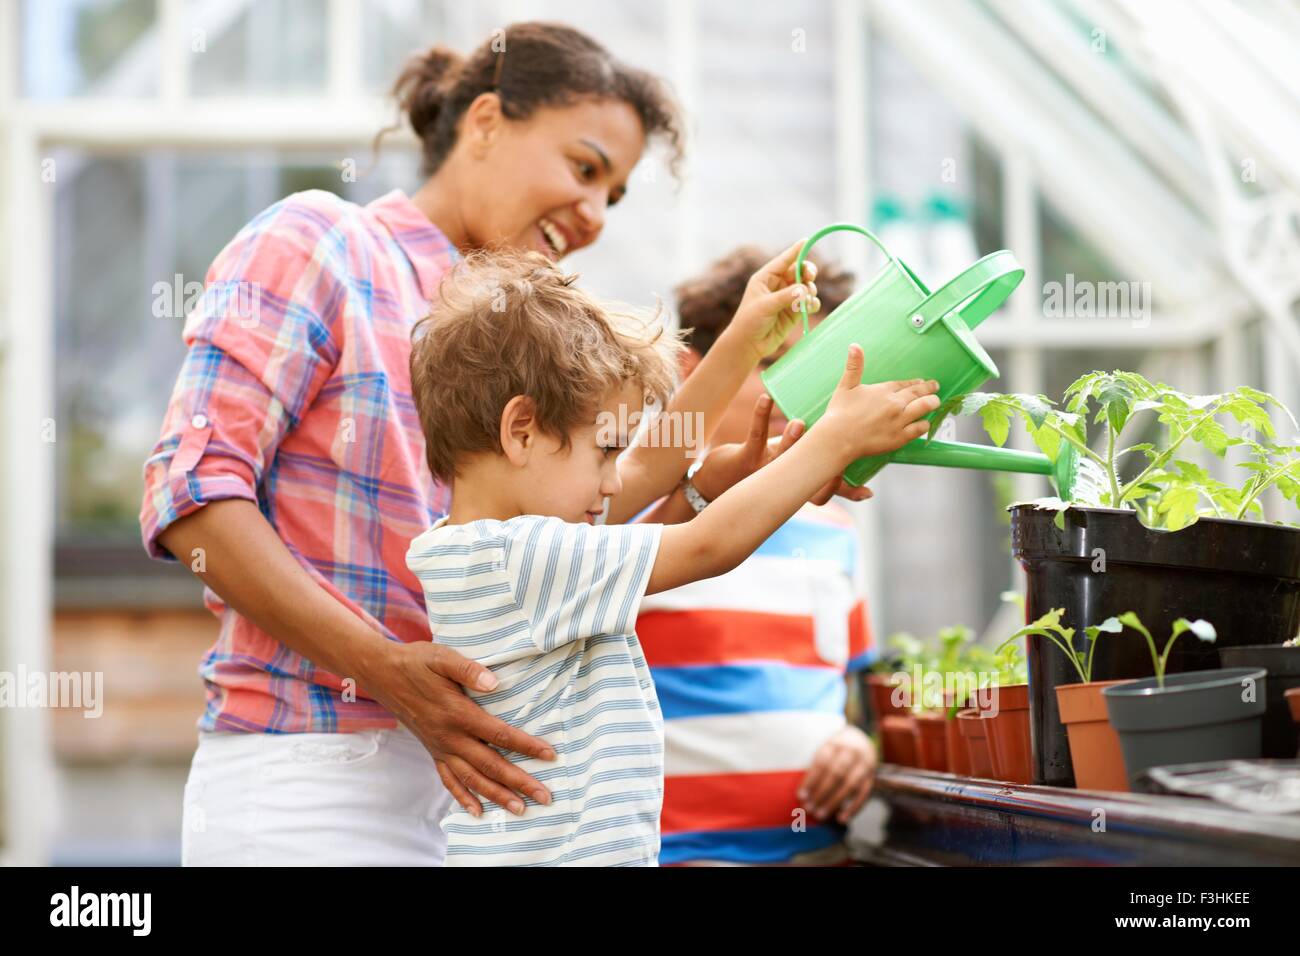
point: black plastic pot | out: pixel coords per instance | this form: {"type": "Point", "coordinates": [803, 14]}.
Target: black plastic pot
{"type": "Point", "coordinates": [1281, 733]}
{"type": "Point", "coordinates": [1241, 576]}
{"type": "Point", "coordinates": [1195, 717]}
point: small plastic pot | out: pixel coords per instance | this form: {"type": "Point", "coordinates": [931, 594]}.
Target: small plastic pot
{"type": "Point", "coordinates": [898, 740]}
{"type": "Point", "coordinates": [931, 740]}
{"type": "Point", "coordinates": [1094, 746]}
{"type": "Point", "coordinates": [958, 752]}
{"type": "Point", "coordinates": [974, 730]}
{"type": "Point", "coordinates": [1008, 734]}
{"type": "Point", "coordinates": [881, 690]}
{"type": "Point", "coordinates": [1281, 735]}
{"type": "Point", "coordinates": [1196, 717]}
{"type": "Point", "coordinates": [1293, 701]}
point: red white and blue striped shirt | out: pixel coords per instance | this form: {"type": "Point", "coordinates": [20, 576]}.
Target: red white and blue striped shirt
{"type": "Point", "coordinates": [749, 668]}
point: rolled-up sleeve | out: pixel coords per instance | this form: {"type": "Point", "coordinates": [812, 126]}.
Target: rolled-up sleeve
{"type": "Point", "coordinates": [260, 346]}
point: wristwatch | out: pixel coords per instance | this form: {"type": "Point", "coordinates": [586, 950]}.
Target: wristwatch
{"type": "Point", "coordinates": [697, 500]}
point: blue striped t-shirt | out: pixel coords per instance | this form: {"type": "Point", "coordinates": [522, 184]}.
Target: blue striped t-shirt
{"type": "Point", "coordinates": [551, 608]}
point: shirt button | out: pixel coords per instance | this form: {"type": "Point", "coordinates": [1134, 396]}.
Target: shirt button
{"type": "Point", "coordinates": [199, 421]}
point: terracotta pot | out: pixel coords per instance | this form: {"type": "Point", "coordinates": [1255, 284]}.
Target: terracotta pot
{"type": "Point", "coordinates": [881, 692]}
{"type": "Point", "coordinates": [931, 741]}
{"type": "Point", "coordinates": [1094, 746]}
{"type": "Point", "coordinates": [1293, 701]}
{"type": "Point", "coordinates": [973, 732]}
{"type": "Point", "coordinates": [958, 754]}
{"type": "Point", "coordinates": [898, 740]}
{"type": "Point", "coordinates": [1008, 734]}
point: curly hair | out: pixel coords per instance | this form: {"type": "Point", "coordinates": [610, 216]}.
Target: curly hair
{"type": "Point", "coordinates": [706, 303]}
{"type": "Point", "coordinates": [508, 323]}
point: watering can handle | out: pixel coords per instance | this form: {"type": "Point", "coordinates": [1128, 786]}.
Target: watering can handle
{"type": "Point", "coordinates": [980, 289]}
{"type": "Point", "coordinates": [812, 240]}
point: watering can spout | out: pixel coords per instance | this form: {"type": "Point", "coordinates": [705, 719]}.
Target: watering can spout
{"type": "Point", "coordinates": [956, 454]}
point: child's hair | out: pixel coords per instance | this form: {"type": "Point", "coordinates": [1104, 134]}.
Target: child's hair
{"type": "Point", "coordinates": [706, 303]}
{"type": "Point", "coordinates": [507, 323]}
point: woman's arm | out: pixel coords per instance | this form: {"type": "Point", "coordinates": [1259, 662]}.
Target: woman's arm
{"type": "Point", "coordinates": [250, 568]}
{"type": "Point", "coordinates": [650, 469]}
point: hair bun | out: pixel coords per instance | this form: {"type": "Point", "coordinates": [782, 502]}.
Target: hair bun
{"type": "Point", "coordinates": [423, 85]}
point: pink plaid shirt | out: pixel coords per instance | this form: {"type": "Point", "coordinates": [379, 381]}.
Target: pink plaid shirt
{"type": "Point", "coordinates": [296, 394]}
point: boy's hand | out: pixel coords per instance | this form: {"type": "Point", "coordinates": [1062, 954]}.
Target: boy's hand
{"type": "Point", "coordinates": [770, 307]}
{"type": "Point", "coordinates": [840, 777]}
{"type": "Point", "coordinates": [875, 419]}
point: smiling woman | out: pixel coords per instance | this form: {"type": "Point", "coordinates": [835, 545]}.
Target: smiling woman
{"type": "Point", "coordinates": [544, 108]}
{"type": "Point", "coordinates": [290, 472]}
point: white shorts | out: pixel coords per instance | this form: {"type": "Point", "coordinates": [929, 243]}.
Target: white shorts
{"type": "Point", "coordinates": [370, 798]}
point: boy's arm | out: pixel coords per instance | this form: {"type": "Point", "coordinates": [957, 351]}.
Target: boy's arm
{"type": "Point", "coordinates": [650, 469]}
{"type": "Point", "coordinates": [861, 420]}
{"type": "Point", "coordinates": [727, 464]}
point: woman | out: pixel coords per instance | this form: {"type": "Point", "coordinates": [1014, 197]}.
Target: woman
{"type": "Point", "coordinates": [290, 472]}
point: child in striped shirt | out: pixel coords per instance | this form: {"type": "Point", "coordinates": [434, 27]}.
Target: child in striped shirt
{"type": "Point", "coordinates": [526, 389]}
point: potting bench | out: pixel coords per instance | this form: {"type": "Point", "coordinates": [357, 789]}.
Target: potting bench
{"type": "Point", "coordinates": [922, 818]}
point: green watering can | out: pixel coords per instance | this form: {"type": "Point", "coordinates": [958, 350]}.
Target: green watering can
{"type": "Point", "coordinates": [906, 332]}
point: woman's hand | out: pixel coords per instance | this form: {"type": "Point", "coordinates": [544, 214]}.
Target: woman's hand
{"type": "Point", "coordinates": [252, 570]}
{"type": "Point", "coordinates": [420, 683]}
{"type": "Point", "coordinates": [734, 462]}
{"type": "Point", "coordinates": [770, 306]}
{"type": "Point", "coordinates": [841, 775]}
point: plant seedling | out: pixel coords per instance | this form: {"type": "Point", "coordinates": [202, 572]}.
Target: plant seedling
{"type": "Point", "coordinates": [1168, 492]}
{"type": "Point", "coordinates": [1050, 627]}
{"type": "Point", "coordinates": [1201, 628]}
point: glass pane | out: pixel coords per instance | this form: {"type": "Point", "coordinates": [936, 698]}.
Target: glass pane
{"type": "Point", "coordinates": [1080, 281]}
{"type": "Point", "coordinates": [88, 48]}
{"type": "Point", "coordinates": [272, 46]}
{"type": "Point", "coordinates": [133, 239]}
{"type": "Point", "coordinates": [394, 29]}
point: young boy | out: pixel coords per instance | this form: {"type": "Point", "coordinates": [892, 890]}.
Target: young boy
{"type": "Point", "coordinates": [522, 382]}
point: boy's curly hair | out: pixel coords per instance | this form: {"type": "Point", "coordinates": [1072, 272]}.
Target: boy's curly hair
{"type": "Point", "coordinates": [507, 323]}
{"type": "Point", "coordinates": [706, 303]}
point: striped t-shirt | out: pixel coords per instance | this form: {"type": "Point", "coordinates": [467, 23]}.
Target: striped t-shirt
{"type": "Point", "coordinates": [551, 608]}
{"type": "Point", "coordinates": [749, 669]}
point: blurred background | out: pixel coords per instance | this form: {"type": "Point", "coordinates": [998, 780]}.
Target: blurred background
{"type": "Point", "coordinates": [1155, 144]}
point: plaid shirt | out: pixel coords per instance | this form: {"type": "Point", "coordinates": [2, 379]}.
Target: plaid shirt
{"type": "Point", "coordinates": [296, 394]}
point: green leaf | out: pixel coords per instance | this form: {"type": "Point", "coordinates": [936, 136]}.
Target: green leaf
{"type": "Point", "coordinates": [1211, 434]}
{"type": "Point", "coordinates": [1116, 397]}
{"type": "Point", "coordinates": [997, 421]}
{"type": "Point", "coordinates": [1200, 627]}
{"type": "Point", "coordinates": [1146, 448]}
{"type": "Point", "coordinates": [1112, 625]}
{"type": "Point", "coordinates": [1178, 507]}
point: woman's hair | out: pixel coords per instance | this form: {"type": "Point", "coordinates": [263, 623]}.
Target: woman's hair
{"type": "Point", "coordinates": [529, 65]}
{"type": "Point", "coordinates": [506, 323]}
{"type": "Point", "coordinates": [706, 303]}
